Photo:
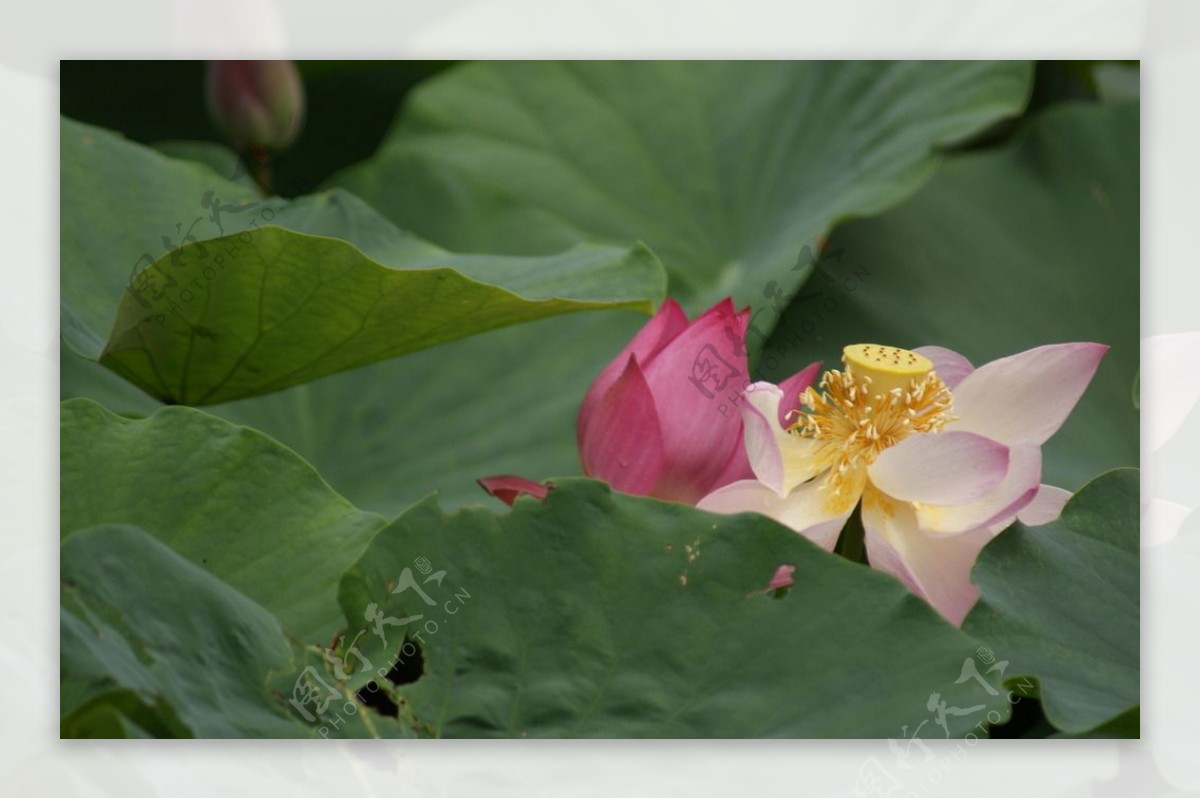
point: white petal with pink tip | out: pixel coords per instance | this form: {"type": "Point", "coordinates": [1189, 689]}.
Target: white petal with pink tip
{"type": "Point", "coordinates": [1046, 506]}
{"type": "Point", "coordinates": [1025, 398]}
{"type": "Point", "coordinates": [941, 468]}
{"type": "Point", "coordinates": [1003, 502]}
{"type": "Point", "coordinates": [935, 568]}
{"type": "Point", "coordinates": [809, 509]}
{"type": "Point", "coordinates": [949, 365]}
{"type": "Point", "coordinates": [779, 459]}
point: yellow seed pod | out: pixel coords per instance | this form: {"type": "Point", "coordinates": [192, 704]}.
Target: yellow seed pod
{"type": "Point", "coordinates": [888, 367]}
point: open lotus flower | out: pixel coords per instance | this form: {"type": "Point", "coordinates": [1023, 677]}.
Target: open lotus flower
{"type": "Point", "coordinates": [661, 419]}
{"type": "Point", "coordinates": [943, 456]}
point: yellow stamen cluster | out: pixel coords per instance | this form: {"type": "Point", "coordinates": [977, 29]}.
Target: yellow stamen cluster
{"type": "Point", "coordinates": [854, 422]}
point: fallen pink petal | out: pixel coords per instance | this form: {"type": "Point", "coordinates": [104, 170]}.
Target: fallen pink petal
{"type": "Point", "coordinates": [507, 487]}
{"type": "Point", "coordinates": [782, 577]}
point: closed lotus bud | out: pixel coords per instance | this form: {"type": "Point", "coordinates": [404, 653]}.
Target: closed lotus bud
{"type": "Point", "coordinates": [255, 103]}
{"type": "Point", "coordinates": [662, 418]}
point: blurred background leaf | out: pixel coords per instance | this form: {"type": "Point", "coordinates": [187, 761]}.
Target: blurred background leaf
{"type": "Point", "coordinates": [726, 169]}
{"type": "Point", "coordinates": [1033, 243]}
{"type": "Point", "coordinates": [764, 171]}
{"type": "Point", "coordinates": [161, 647]}
{"type": "Point", "coordinates": [528, 157]}
{"type": "Point", "coordinates": [350, 104]}
{"type": "Point", "coordinates": [1116, 82]}
{"type": "Point", "coordinates": [257, 296]}
{"type": "Point", "coordinates": [228, 499]}
{"type": "Point", "coordinates": [153, 645]}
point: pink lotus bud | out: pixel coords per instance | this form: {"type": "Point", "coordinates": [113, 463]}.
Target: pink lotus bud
{"type": "Point", "coordinates": [663, 418]}
{"type": "Point", "coordinates": [255, 103]}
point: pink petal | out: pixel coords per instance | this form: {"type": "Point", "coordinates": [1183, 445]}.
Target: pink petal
{"type": "Point", "coordinates": [668, 323]}
{"type": "Point", "coordinates": [810, 509]}
{"type": "Point", "coordinates": [696, 381]}
{"type": "Point", "coordinates": [1026, 397]}
{"type": "Point", "coordinates": [1003, 502]}
{"type": "Point", "coordinates": [782, 577]}
{"type": "Point", "coordinates": [949, 365]}
{"type": "Point", "coordinates": [1046, 506]}
{"type": "Point", "coordinates": [507, 487]}
{"type": "Point", "coordinates": [623, 443]}
{"type": "Point", "coordinates": [941, 468]}
{"type": "Point", "coordinates": [780, 460]}
{"type": "Point", "coordinates": [792, 388]}
{"type": "Point", "coordinates": [725, 310]}
{"type": "Point", "coordinates": [935, 568]}
{"type": "Point", "coordinates": [736, 468]}
{"type": "Point", "coordinates": [742, 318]}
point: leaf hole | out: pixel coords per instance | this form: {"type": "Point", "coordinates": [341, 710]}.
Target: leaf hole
{"type": "Point", "coordinates": [374, 697]}
{"type": "Point", "coordinates": [407, 667]}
